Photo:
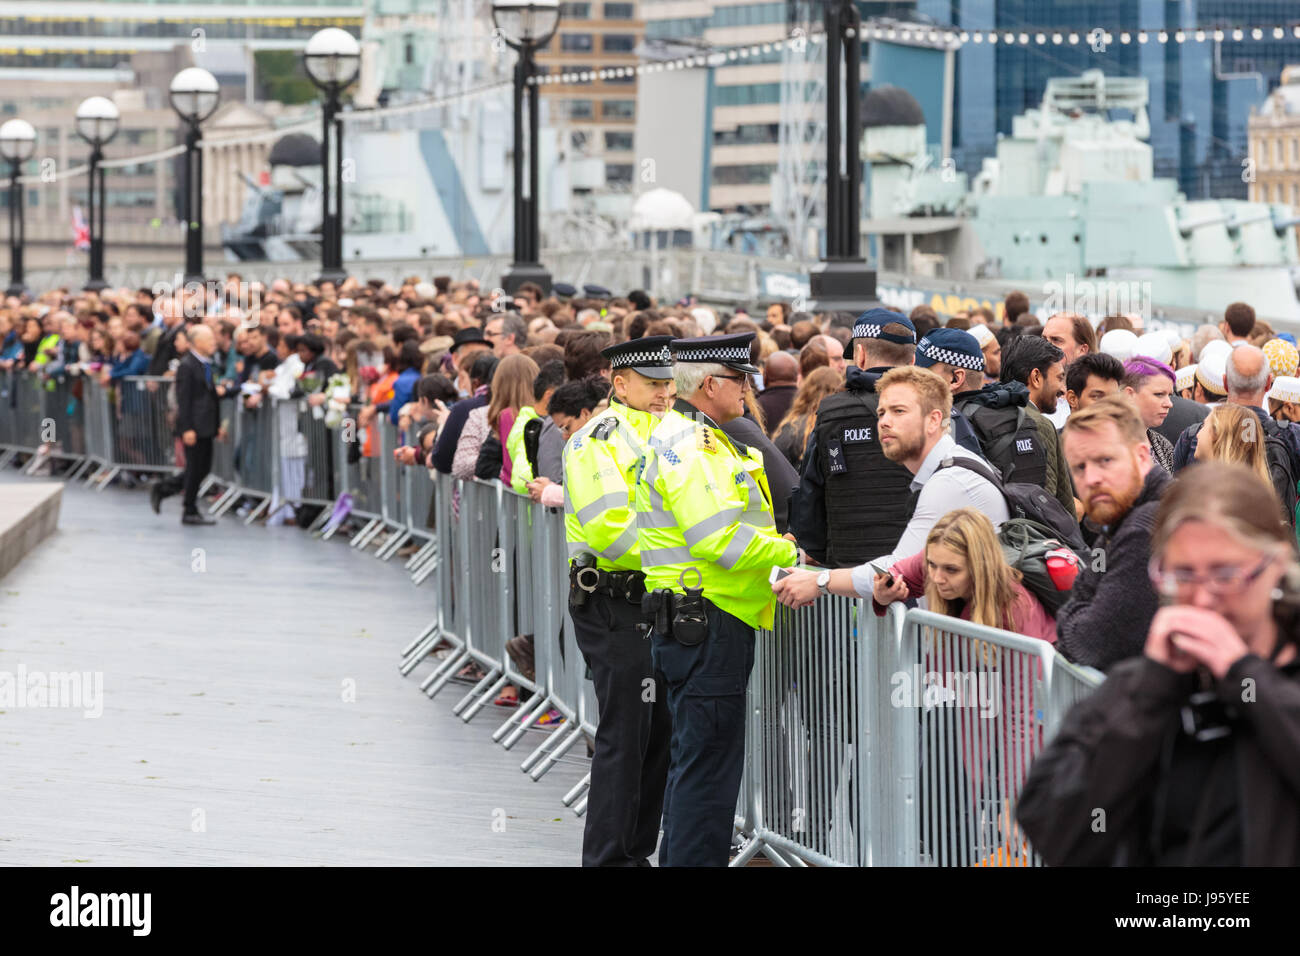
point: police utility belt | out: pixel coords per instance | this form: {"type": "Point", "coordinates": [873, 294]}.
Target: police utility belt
{"type": "Point", "coordinates": [679, 616]}
{"type": "Point", "coordinates": [585, 579]}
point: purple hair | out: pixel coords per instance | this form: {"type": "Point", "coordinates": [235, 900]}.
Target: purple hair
{"type": "Point", "coordinates": [1144, 367]}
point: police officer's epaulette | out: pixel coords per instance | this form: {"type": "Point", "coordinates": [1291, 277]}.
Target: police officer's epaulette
{"type": "Point", "coordinates": [605, 428]}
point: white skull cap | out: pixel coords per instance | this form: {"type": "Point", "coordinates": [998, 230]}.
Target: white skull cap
{"type": "Point", "coordinates": [1154, 345]}
{"type": "Point", "coordinates": [1120, 343]}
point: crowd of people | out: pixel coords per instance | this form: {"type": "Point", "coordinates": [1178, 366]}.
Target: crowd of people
{"type": "Point", "coordinates": [891, 453]}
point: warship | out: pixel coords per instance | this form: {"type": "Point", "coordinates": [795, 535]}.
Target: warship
{"type": "Point", "coordinates": [1069, 209]}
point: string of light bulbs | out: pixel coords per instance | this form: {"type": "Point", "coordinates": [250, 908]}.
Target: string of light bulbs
{"type": "Point", "coordinates": [722, 57]}
{"type": "Point", "coordinates": [1098, 39]}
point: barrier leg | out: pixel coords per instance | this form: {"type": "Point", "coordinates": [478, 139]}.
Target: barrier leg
{"type": "Point", "coordinates": [489, 695]}
{"type": "Point", "coordinates": [219, 506]}
{"type": "Point", "coordinates": [540, 751]}
{"type": "Point", "coordinates": [418, 653]}
{"type": "Point", "coordinates": [525, 725]}
{"type": "Point", "coordinates": [554, 756]}
{"type": "Point", "coordinates": [72, 475]}
{"type": "Point", "coordinates": [495, 677]}
{"type": "Point", "coordinates": [748, 853]}
{"type": "Point", "coordinates": [438, 679]}
{"type": "Point", "coordinates": [420, 556]}
{"type": "Point", "coordinates": [577, 790]}
{"type": "Point", "coordinates": [322, 516]}
{"type": "Point", "coordinates": [256, 512]}
{"type": "Point", "coordinates": [420, 574]}
{"type": "Point", "coordinates": [105, 479]}
{"type": "Point", "coordinates": [524, 716]}
{"type": "Point", "coordinates": [42, 455]}
{"type": "Point", "coordinates": [391, 547]}
{"type": "Point", "coordinates": [431, 628]}
{"type": "Point", "coordinates": [580, 808]}
{"type": "Point", "coordinates": [372, 528]}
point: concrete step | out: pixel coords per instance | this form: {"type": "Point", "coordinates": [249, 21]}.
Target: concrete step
{"type": "Point", "coordinates": [29, 513]}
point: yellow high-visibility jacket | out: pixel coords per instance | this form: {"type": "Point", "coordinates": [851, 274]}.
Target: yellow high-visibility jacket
{"type": "Point", "coordinates": [703, 503]}
{"type": "Point", "coordinates": [600, 468]}
{"type": "Point", "coordinates": [521, 471]}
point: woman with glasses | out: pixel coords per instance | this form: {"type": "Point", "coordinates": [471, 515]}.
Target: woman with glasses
{"type": "Point", "coordinates": [1190, 753]}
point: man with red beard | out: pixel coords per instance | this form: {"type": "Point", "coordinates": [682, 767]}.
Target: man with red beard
{"type": "Point", "coordinates": [1111, 605]}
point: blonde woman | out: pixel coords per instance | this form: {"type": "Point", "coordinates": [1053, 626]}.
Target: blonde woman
{"type": "Point", "coordinates": [1232, 434]}
{"type": "Point", "coordinates": [962, 573]}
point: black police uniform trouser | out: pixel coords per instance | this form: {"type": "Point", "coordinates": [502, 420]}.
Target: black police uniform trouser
{"type": "Point", "coordinates": [629, 768]}
{"type": "Point", "coordinates": [706, 694]}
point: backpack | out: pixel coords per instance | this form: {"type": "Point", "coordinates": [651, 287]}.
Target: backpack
{"type": "Point", "coordinates": [1037, 524]}
{"type": "Point", "coordinates": [1281, 468]}
{"type": "Point", "coordinates": [490, 458]}
{"type": "Point", "coordinates": [1027, 501]}
{"type": "Point", "coordinates": [1009, 440]}
{"type": "Point", "coordinates": [532, 438]}
{"type": "Point", "coordinates": [1025, 545]}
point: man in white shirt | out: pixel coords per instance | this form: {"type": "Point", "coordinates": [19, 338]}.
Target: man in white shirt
{"type": "Point", "coordinates": [915, 411]}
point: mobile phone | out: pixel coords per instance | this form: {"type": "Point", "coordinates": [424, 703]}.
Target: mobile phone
{"type": "Point", "coordinates": [879, 570]}
{"type": "Point", "coordinates": [777, 574]}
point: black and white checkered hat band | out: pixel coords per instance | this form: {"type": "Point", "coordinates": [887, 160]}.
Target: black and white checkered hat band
{"type": "Point", "coordinates": [733, 353]}
{"type": "Point", "coordinates": [949, 357]}
{"type": "Point", "coordinates": [663, 356]}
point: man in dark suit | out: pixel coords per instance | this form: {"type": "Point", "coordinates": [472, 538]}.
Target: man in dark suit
{"type": "Point", "coordinates": [197, 422]}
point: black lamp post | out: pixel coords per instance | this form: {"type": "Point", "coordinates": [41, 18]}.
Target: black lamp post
{"type": "Point", "coordinates": [17, 143]}
{"type": "Point", "coordinates": [194, 96]}
{"type": "Point", "coordinates": [97, 119]}
{"type": "Point", "coordinates": [526, 25]}
{"type": "Point", "coordinates": [842, 281]}
{"type": "Point", "coordinates": [333, 59]}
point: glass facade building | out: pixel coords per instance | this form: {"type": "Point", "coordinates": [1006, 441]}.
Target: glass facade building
{"type": "Point", "coordinates": [1201, 93]}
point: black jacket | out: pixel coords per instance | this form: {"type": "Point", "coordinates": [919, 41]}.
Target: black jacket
{"type": "Point", "coordinates": [1119, 750]}
{"type": "Point", "coordinates": [807, 518]}
{"type": "Point", "coordinates": [196, 398]}
{"type": "Point", "coordinates": [1111, 605]}
{"type": "Point", "coordinates": [165, 350]}
{"type": "Point", "coordinates": [1185, 412]}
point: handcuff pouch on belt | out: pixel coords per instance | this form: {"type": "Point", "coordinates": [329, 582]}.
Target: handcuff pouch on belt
{"type": "Point", "coordinates": [679, 616]}
{"type": "Point", "coordinates": [586, 579]}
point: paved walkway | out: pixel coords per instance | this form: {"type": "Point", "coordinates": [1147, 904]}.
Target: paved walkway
{"type": "Point", "coordinates": [226, 655]}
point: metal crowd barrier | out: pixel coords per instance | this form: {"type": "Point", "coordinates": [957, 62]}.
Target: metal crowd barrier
{"type": "Point", "coordinates": [501, 568]}
{"type": "Point", "coordinates": [901, 739]}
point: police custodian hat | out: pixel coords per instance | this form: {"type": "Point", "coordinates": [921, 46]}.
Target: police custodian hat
{"type": "Point", "coordinates": [649, 356]}
{"type": "Point", "coordinates": [733, 351]}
